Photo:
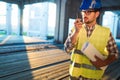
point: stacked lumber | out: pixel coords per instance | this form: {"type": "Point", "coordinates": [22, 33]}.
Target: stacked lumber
{"type": "Point", "coordinates": [33, 62]}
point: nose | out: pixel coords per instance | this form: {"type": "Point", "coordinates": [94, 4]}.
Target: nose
{"type": "Point", "coordinates": [84, 15]}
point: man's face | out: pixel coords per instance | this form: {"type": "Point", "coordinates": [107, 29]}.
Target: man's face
{"type": "Point", "coordinates": [89, 16]}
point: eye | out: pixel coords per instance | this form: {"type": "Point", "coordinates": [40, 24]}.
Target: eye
{"type": "Point", "coordinates": [88, 12]}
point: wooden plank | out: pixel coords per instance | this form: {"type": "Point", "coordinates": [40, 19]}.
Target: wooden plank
{"type": "Point", "coordinates": [16, 48]}
{"type": "Point", "coordinates": [56, 74]}
{"type": "Point", "coordinates": [19, 56]}
{"type": "Point", "coordinates": [63, 77]}
{"type": "Point", "coordinates": [11, 68]}
{"type": "Point", "coordinates": [53, 73]}
{"type": "Point", "coordinates": [37, 74]}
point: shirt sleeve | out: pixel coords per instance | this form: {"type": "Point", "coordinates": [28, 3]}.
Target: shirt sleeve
{"type": "Point", "coordinates": [68, 46]}
{"type": "Point", "coordinates": [112, 47]}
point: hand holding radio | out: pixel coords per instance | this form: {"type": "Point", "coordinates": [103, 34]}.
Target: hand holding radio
{"type": "Point", "coordinates": [78, 23]}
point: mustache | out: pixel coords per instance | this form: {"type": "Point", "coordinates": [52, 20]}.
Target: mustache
{"type": "Point", "coordinates": [85, 18]}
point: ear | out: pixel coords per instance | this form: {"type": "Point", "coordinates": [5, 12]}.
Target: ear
{"type": "Point", "coordinates": [97, 14]}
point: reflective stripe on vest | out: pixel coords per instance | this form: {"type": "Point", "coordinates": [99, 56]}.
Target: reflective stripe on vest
{"type": "Point", "coordinates": [81, 78]}
{"type": "Point", "coordinates": [85, 66]}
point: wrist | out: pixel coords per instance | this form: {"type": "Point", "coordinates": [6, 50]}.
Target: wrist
{"type": "Point", "coordinates": [77, 31]}
{"type": "Point", "coordinates": [74, 37]}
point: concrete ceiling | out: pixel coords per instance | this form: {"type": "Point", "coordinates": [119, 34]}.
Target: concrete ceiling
{"type": "Point", "coordinates": [113, 4]}
{"type": "Point", "coordinates": [26, 1]}
{"type": "Point", "coordinates": [105, 3]}
{"type": "Point", "coordinates": [108, 5]}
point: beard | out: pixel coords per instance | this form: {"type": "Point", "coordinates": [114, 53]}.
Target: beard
{"type": "Point", "coordinates": [87, 21]}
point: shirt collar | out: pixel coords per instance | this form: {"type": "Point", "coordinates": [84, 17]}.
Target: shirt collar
{"type": "Point", "coordinates": [89, 28]}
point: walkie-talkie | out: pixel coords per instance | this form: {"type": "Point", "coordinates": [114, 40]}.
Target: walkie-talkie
{"type": "Point", "coordinates": [78, 15]}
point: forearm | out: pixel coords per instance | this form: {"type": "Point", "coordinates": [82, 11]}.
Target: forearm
{"type": "Point", "coordinates": [70, 42]}
{"type": "Point", "coordinates": [68, 45]}
{"type": "Point", "coordinates": [110, 59]}
{"type": "Point", "coordinates": [100, 63]}
{"type": "Point", "coordinates": [74, 37]}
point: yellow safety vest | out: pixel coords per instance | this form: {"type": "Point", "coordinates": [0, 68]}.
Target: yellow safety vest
{"type": "Point", "coordinates": [80, 64]}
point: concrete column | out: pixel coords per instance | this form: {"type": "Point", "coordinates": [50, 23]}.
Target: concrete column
{"type": "Point", "coordinates": [116, 27]}
{"type": "Point", "coordinates": [8, 19]}
{"type": "Point", "coordinates": [58, 10]}
{"type": "Point", "coordinates": [20, 21]}
{"type": "Point", "coordinates": [60, 21]}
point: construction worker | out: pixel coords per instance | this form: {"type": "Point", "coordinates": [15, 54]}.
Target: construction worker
{"type": "Point", "coordinates": [87, 30]}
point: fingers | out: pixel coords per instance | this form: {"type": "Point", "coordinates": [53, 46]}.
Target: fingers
{"type": "Point", "coordinates": [98, 59]}
{"type": "Point", "coordinates": [78, 21]}
{"type": "Point", "coordinates": [95, 64]}
{"type": "Point", "coordinates": [78, 24]}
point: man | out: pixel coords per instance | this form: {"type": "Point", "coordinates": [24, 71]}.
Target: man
{"type": "Point", "coordinates": [87, 30]}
